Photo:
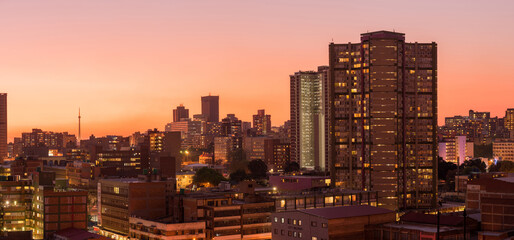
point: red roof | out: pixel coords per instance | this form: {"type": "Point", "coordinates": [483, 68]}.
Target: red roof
{"type": "Point", "coordinates": [345, 211]}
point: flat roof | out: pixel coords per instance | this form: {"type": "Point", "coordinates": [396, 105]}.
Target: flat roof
{"type": "Point", "coordinates": [345, 211]}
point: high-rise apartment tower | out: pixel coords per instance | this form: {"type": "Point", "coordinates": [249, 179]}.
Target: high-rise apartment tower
{"type": "Point", "coordinates": [308, 113]}
{"type": "Point", "coordinates": [384, 117]}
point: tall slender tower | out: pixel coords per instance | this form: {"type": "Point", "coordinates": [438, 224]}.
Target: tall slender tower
{"type": "Point", "coordinates": [3, 126]}
{"type": "Point", "coordinates": [79, 129]}
{"type": "Point", "coordinates": [308, 114]}
{"type": "Point", "coordinates": [384, 117]}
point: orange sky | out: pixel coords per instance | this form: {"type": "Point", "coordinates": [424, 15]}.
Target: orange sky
{"type": "Point", "coordinates": [128, 63]}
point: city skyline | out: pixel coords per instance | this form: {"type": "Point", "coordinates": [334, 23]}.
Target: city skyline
{"type": "Point", "coordinates": [121, 68]}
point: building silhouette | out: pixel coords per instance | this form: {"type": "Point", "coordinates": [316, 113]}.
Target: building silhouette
{"type": "Point", "coordinates": [211, 108]}
{"type": "Point", "coordinates": [180, 113]}
{"type": "Point", "coordinates": [3, 126]}
{"type": "Point", "coordinates": [384, 118]}
{"type": "Point", "coordinates": [262, 123]}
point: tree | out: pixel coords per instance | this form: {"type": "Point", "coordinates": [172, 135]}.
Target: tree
{"type": "Point", "coordinates": [444, 167]}
{"type": "Point", "coordinates": [291, 167]}
{"type": "Point", "coordinates": [238, 176]}
{"type": "Point", "coordinates": [473, 165]}
{"type": "Point", "coordinates": [258, 169]}
{"type": "Point", "coordinates": [502, 166]}
{"type": "Point", "coordinates": [207, 175]}
{"type": "Point", "coordinates": [237, 160]}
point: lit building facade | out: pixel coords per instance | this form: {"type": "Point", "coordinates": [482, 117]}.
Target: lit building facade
{"type": "Point", "coordinates": [503, 150]}
{"type": "Point", "coordinates": [456, 150]}
{"type": "Point", "coordinates": [15, 203]}
{"type": "Point", "coordinates": [509, 121]}
{"type": "Point", "coordinates": [308, 146]}
{"type": "Point", "coordinates": [262, 123]}
{"type": "Point", "coordinates": [384, 118]}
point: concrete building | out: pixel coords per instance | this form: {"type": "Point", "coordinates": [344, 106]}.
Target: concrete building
{"type": "Point", "coordinates": [456, 150]}
{"type": "Point", "coordinates": [3, 126]}
{"type": "Point", "coordinates": [118, 199]}
{"type": "Point", "coordinates": [211, 108]}
{"type": "Point", "coordinates": [346, 222]}
{"type": "Point", "coordinates": [262, 123]}
{"type": "Point", "coordinates": [255, 148]}
{"type": "Point", "coordinates": [503, 150]}
{"type": "Point", "coordinates": [308, 146]}
{"type": "Point", "coordinates": [384, 118]}
{"type": "Point", "coordinates": [281, 154]}
{"type": "Point", "coordinates": [180, 113]}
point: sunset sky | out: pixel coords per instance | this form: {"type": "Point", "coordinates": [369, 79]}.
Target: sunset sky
{"type": "Point", "coordinates": [127, 63]}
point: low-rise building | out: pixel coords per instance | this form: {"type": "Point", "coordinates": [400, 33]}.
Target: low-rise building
{"type": "Point", "coordinates": [415, 226]}
{"type": "Point", "coordinates": [346, 222]}
{"type": "Point", "coordinates": [57, 209]}
{"type": "Point", "coordinates": [494, 197]}
{"type": "Point", "coordinates": [166, 229]}
{"type": "Point", "coordinates": [118, 199]}
{"type": "Point", "coordinates": [298, 183]}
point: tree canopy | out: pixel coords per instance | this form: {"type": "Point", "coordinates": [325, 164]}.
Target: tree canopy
{"type": "Point", "coordinates": [238, 176]}
{"type": "Point", "coordinates": [258, 169]}
{"type": "Point", "coordinates": [444, 167]}
{"type": "Point", "coordinates": [502, 166]}
{"type": "Point", "coordinates": [237, 160]}
{"type": "Point", "coordinates": [291, 167]}
{"type": "Point", "coordinates": [207, 175]}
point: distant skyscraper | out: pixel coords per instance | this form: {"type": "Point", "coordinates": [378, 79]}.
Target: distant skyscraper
{"type": "Point", "coordinates": [308, 146]}
{"type": "Point", "coordinates": [384, 118]}
{"type": "Point", "coordinates": [211, 108]}
{"type": "Point", "coordinates": [262, 123]}
{"type": "Point", "coordinates": [180, 113]}
{"type": "Point", "coordinates": [3, 126]}
{"type": "Point", "coordinates": [509, 121]}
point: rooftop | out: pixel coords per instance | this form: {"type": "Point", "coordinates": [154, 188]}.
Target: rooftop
{"type": "Point", "coordinates": [78, 234]}
{"type": "Point", "coordinates": [346, 211]}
